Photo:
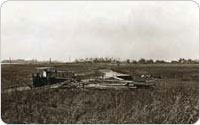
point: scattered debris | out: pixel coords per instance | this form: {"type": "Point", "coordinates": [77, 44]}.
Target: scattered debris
{"type": "Point", "coordinates": [112, 79]}
{"type": "Point", "coordinates": [106, 80]}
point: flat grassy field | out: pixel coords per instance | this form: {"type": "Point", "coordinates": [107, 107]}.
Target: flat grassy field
{"type": "Point", "coordinates": [175, 99]}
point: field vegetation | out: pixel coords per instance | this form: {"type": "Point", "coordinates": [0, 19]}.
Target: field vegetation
{"type": "Point", "coordinates": [175, 99]}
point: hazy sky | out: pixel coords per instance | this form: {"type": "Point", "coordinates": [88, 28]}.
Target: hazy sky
{"type": "Point", "coordinates": [125, 29]}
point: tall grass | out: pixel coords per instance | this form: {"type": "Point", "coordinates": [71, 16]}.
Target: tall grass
{"type": "Point", "coordinates": [164, 105]}
{"type": "Point", "coordinates": [173, 100]}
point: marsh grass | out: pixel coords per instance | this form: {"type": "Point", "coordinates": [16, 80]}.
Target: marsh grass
{"type": "Point", "coordinates": [175, 99]}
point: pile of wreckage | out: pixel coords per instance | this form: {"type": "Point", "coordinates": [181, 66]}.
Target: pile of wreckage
{"type": "Point", "coordinates": [107, 79]}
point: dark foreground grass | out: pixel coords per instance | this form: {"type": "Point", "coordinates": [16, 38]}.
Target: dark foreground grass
{"type": "Point", "coordinates": [173, 100]}
{"type": "Point", "coordinates": [171, 105]}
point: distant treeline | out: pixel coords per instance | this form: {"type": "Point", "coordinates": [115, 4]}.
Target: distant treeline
{"type": "Point", "coordinates": [32, 61]}
{"type": "Point", "coordinates": [109, 60]}
{"type": "Point", "coordinates": [140, 61]}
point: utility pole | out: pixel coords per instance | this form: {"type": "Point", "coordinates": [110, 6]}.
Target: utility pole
{"type": "Point", "coordinates": [50, 61]}
{"type": "Point", "coordinates": [10, 60]}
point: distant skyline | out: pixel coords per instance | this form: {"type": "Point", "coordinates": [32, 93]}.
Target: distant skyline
{"type": "Point", "coordinates": [164, 30]}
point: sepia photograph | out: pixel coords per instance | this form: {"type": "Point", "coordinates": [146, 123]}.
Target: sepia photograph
{"type": "Point", "coordinates": [99, 62]}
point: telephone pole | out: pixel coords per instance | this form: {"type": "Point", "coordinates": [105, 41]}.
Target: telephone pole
{"type": "Point", "coordinates": [50, 61]}
{"type": "Point", "coordinates": [10, 60]}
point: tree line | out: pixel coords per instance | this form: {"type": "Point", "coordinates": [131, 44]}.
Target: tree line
{"type": "Point", "coordinates": [140, 61]}
{"type": "Point", "coordinates": [110, 60]}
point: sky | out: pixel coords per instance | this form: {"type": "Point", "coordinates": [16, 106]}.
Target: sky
{"type": "Point", "coordinates": [64, 30]}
